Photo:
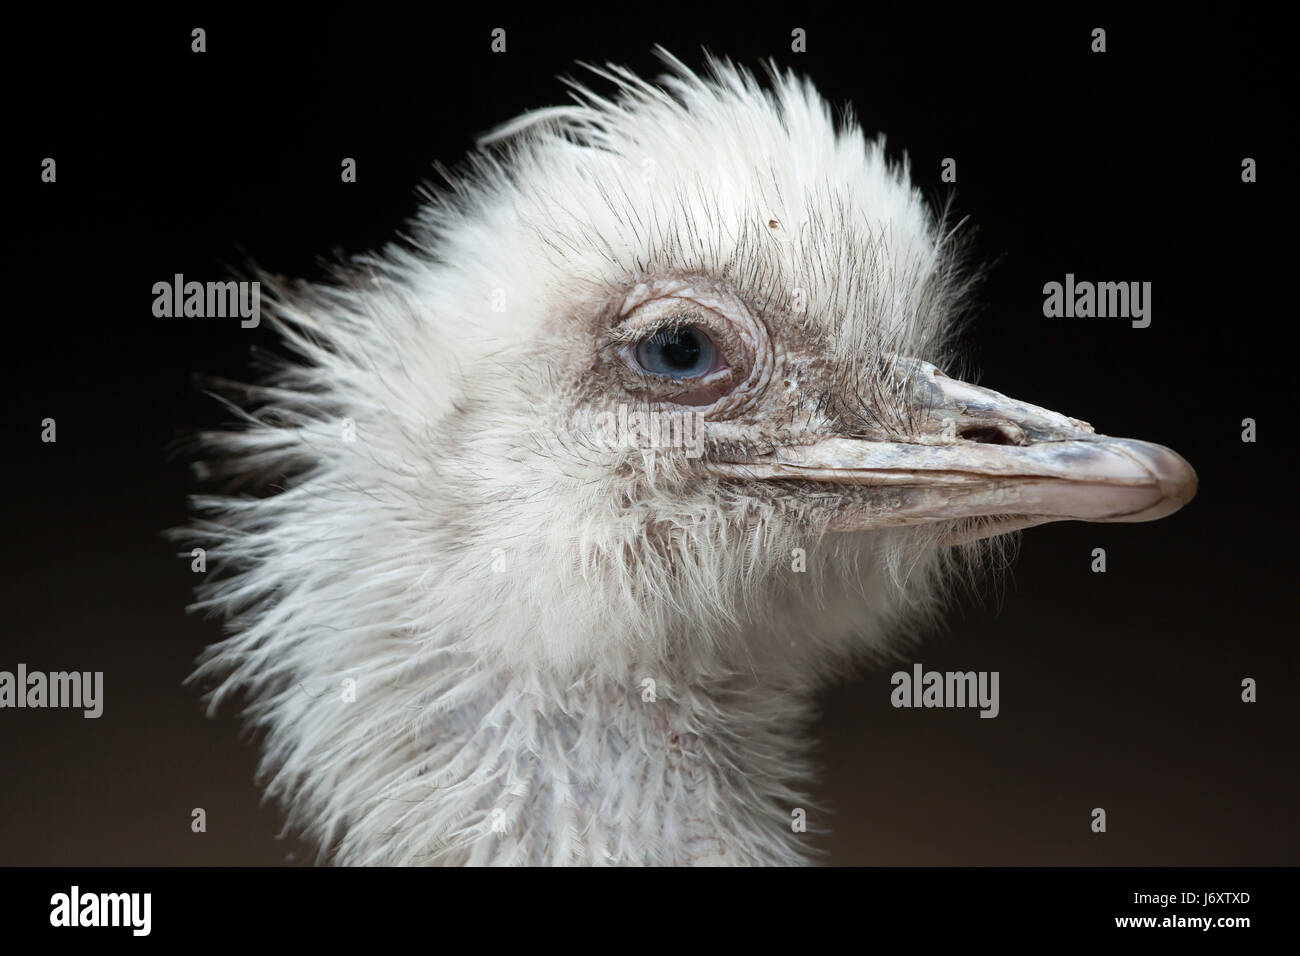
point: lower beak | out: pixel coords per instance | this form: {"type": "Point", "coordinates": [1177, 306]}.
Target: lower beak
{"type": "Point", "coordinates": [980, 454]}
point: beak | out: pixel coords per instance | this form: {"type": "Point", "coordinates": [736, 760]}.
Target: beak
{"type": "Point", "coordinates": [979, 454]}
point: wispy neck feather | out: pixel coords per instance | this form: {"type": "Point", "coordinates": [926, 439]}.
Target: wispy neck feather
{"type": "Point", "coordinates": [510, 769]}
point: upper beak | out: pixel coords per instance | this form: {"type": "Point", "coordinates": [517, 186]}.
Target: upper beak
{"type": "Point", "coordinates": [978, 453]}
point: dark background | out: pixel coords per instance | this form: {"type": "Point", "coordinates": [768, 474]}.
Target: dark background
{"type": "Point", "coordinates": [1119, 690]}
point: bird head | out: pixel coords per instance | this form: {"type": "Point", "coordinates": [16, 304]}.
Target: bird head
{"type": "Point", "coordinates": [658, 378]}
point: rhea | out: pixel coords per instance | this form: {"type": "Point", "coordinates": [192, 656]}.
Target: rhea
{"type": "Point", "coordinates": [480, 620]}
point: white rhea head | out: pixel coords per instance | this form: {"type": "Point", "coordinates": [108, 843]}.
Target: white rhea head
{"type": "Point", "coordinates": [581, 492]}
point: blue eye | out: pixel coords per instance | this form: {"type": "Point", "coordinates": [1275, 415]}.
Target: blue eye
{"type": "Point", "coordinates": [677, 353]}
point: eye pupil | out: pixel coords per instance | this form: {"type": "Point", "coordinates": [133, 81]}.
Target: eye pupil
{"type": "Point", "coordinates": [680, 350]}
{"type": "Point", "coordinates": [677, 353]}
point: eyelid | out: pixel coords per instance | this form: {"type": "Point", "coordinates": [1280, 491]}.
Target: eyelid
{"type": "Point", "coordinates": [670, 312]}
{"type": "Point", "coordinates": [632, 328]}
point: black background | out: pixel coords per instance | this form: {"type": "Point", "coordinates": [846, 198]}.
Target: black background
{"type": "Point", "coordinates": [1119, 690]}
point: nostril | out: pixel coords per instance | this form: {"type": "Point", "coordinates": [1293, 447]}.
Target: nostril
{"type": "Point", "coordinates": [987, 435]}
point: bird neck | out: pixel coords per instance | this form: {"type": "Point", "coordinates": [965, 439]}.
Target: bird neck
{"type": "Point", "coordinates": [545, 770]}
